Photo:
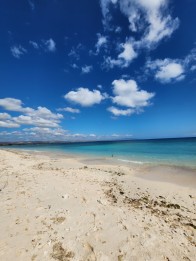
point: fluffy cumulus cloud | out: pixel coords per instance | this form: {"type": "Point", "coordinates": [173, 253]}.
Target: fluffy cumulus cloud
{"type": "Point", "coordinates": [171, 70]}
{"type": "Point", "coordinates": [45, 133]}
{"type": "Point", "coordinates": [5, 121]}
{"type": "Point", "coordinates": [37, 121]}
{"type": "Point", "coordinates": [87, 69]}
{"type": "Point", "coordinates": [4, 116]}
{"type": "Point", "coordinates": [128, 53]}
{"type": "Point", "coordinates": [85, 97]}
{"type": "Point", "coordinates": [17, 51]}
{"type": "Point", "coordinates": [41, 124]}
{"type": "Point", "coordinates": [45, 113]}
{"type": "Point", "coordinates": [120, 112]}
{"type": "Point", "coordinates": [35, 134]}
{"type": "Point", "coordinates": [8, 124]}
{"type": "Point", "coordinates": [167, 70]}
{"type": "Point", "coordinates": [41, 117]}
{"type": "Point", "coordinates": [127, 93]}
{"type": "Point", "coordinates": [11, 104]}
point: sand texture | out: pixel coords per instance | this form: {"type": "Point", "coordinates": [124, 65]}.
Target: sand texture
{"type": "Point", "coordinates": [60, 208]}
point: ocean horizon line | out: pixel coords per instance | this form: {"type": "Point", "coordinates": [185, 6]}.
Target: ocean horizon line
{"type": "Point", "coordinates": [3, 143]}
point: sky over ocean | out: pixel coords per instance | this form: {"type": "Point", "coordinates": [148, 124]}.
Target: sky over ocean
{"type": "Point", "coordinates": [95, 70]}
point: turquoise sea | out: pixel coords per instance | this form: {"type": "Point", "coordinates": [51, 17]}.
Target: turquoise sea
{"type": "Point", "coordinates": [180, 152]}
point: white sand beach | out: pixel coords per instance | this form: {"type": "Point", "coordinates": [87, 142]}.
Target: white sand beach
{"type": "Point", "coordinates": [64, 208]}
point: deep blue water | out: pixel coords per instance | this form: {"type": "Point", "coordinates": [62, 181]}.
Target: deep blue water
{"type": "Point", "coordinates": [180, 152]}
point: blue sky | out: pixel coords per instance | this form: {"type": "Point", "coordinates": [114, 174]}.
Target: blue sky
{"type": "Point", "coordinates": [93, 70]}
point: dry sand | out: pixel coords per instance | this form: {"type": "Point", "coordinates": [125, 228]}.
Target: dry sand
{"type": "Point", "coordinates": [62, 208]}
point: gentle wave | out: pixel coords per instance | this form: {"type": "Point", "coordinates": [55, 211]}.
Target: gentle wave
{"type": "Point", "coordinates": [133, 161]}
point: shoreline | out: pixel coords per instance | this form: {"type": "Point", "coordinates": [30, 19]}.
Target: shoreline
{"type": "Point", "coordinates": [111, 158]}
{"type": "Point", "coordinates": [180, 175]}
{"type": "Point", "coordinates": [63, 208]}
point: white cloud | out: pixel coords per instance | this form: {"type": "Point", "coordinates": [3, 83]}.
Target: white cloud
{"type": "Point", "coordinates": [124, 58]}
{"type": "Point", "coordinates": [35, 134]}
{"type": "Point", "coordinates": [34, 44]}
{"type": "Point", "coordinates": [41, 116]}
{"type": "Point", "coordinates": [85, 97]}
{"type": "Point", "coordinates": [105, 9]}
{"type": "Point", "coordinates": [167, 70]}
{"type": "Point", "coordinates": [47, 131]}
{"type": "Point", "coordinates": [170, 71]}
{"type": "Point", "coordinates": [43, 112]}
{"type": "Point", "coordinates": [101, 41]}
{"type": "Point", "coordinates": [18, 51]}
{"type": "Point", "coordinates": [87, 69]}
{"type": "Point", "coordinates": [111, 63]}
{"type": "Point", "coordinates": [69, 109]}
{"type": "Point", "coordinates": [50, 45]}
{"type": "Point", "coordinates": [8, 124]}
{"type": "Point", "coordinates": [92, 135]}
{"type": "Point", "coordinates": [105, 6]}
{"type": "Point", "coordinates": [4, 116]}
{"type": "Point", "coordinates": [122, 135]}
{"type": "Point", "coordinates": [37, 121]}
{"type": "Point", "coordinates": [120, 112]}
{"type": "Point", "coordinates": [11, 104]}
{"type": "Point", "coordinates": [151, 19]}
{"type": "Point", "coordinates": [128, 53]}
{"type": "Point", "coordinates": [128, 94]}
{"type": "Point", "coordinates": [54, 134]}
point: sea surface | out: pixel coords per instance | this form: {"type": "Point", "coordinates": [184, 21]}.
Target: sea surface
{"type": "Point", "coordinates": [179, 152]}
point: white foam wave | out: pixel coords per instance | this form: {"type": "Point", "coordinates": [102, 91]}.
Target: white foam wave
{"type": "Point", "coordinates": [133, 161]}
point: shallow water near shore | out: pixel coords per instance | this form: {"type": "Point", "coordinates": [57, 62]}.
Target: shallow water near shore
{"type": "Point", "coordinates": [176, 152]}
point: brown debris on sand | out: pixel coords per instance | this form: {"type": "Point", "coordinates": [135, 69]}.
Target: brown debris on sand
{"type": "Point", "coordinates": [59, 253]}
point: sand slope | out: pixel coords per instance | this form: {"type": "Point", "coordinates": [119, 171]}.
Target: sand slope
{"type": "Point", "coordinates": [62, 209]}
